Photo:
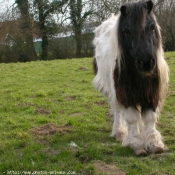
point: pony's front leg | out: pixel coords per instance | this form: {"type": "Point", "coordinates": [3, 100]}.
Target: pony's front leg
{"type": "Point", "coordinates": [119, 127]}
{"type": "Point", "coordinates": [153, 138]}
{"type": "Point", "coordinates": [134, 139]}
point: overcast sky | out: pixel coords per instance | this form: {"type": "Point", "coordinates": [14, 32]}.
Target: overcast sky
{"type": "Point", "coordinates": [4, 4]}
{"type": "Point", "coordinates": [7, 1]}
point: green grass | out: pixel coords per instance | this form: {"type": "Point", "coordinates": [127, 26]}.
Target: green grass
{"type": "Point", "coordinates": [37, 93]}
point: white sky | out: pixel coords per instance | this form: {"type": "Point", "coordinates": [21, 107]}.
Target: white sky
{"type": "Point", "coordinates": [7, 1]}
{"type": "Point", "coordinates": [4, 4]}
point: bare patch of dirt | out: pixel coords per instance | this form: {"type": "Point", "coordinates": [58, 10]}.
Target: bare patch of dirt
{"type": "Point", "coordinates": [43, 111]}
{"type": "Point", "coordinates": [51, 129]}
{"type": "Point", "coordinates": [50, 151]}
{"type": "Point", "coordinates": [87, 105]}
{"type": "Point", "coordinates": [99, 96]}
{"type": "Point", "coordinates": [27, 105]}
{"type": "Point", "coordinates": [38, 109]}
{"type": "Point", "coordinates": [77, 114]}
{"type": "Point", "coordinates": [101, 103]}
{"type": "Point", "coordinates": [83, 68]}
{"type": "Point", "coordinates": [62, 111]}
{"type": "Point", "coordinates": [71, 98]}
{"type": "Point", "coordinates": [107, 169]}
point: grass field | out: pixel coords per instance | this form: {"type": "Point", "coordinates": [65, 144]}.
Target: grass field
{"type": "Point", "coordinates": [52, 121]}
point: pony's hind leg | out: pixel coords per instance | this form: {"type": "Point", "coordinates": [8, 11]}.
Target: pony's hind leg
{"type": "Point", "coordinates": [119, 127]}
{"type": "Point", "coordinates": [134, 139]}
{"type": "Point", "coordinates": [153, 138]}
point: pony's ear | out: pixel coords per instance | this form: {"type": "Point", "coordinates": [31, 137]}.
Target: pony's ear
{"type": "Point", "coordinates": [123, 10]}
{"type": "Point", "coordinates": [149, 4]}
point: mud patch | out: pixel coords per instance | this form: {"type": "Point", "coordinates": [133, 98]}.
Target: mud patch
{"type": "Point", "coordinates": [62, 111]}
{"type": "Point", "coordinates": [51, 129]}
{"type": "Point", "coordinates": [50, 151]}
{"type": "Point", "coordinates": [38, 110]}
{"type": "Point", "coordinates": [83, 68]}
{"type": "Point", "coordinates": [69, 98]}
{"type": "Point", "coordinates": [107, 169]}
{"type": "Point", "coordinates": [101, 103]}
{"type": "Point", "coordinates": [43, 111]}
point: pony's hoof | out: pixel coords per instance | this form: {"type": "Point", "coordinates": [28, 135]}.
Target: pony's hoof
{"type": "Point", "coordinates": [119, 136]}
{"type": "Point", "coordinates": [140, 152]}
{"type": "Point", "coordinates": [157, 150]}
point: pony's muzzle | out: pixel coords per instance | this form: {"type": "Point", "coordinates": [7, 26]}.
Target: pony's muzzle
{"type": "Point", "coordinates": [146, 66]}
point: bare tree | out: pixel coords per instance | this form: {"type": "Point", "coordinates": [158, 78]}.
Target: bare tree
{"type": "Point", "coordinates": [78, 15]}
{"type": "Point", "coordinates": [26, 29]}
{"type": "Point", "coordinates": [165, 10]}
{"type": "Point", "coordinates": [45, 9]}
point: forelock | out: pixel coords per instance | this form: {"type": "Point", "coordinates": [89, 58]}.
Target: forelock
{"type": "Point", "coordinates": [136, 14]}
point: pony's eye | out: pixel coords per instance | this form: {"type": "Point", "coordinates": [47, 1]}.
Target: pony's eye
{"type": "Point", "coordinates": [152, 27]}
{"type": "Point", "coordinates": [127, 31]}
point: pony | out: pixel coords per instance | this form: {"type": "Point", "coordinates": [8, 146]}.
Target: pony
{"type": "Point", "coordinates": [130, 70]}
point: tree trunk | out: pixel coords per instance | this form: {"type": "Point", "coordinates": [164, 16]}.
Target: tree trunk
{"type": "Point", "coordinates": [29, 49]}
{"type": "Point", "coordinates": [78, 38]}
{"type": "Point", "coordinates": [43, 29]}
{"type": "Point", "coordinates": [44, 53]}
{"type": "Point", "coordinates": [77, 22]}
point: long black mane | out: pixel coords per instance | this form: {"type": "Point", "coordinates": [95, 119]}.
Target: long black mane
{"type": "Point", "coordinates": [132, 88]}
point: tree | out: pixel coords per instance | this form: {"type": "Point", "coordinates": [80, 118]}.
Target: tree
{"type": "Point", "coordinates": [165, 10]}
{"type": "Point", "coordinates": [26, 30]}
{"type": "Point", "coordinates": [45, 9]}
{"type": "Point", "coordinates": [102, 9]}
{"type": "Point", "coordinates": [78, 17]}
